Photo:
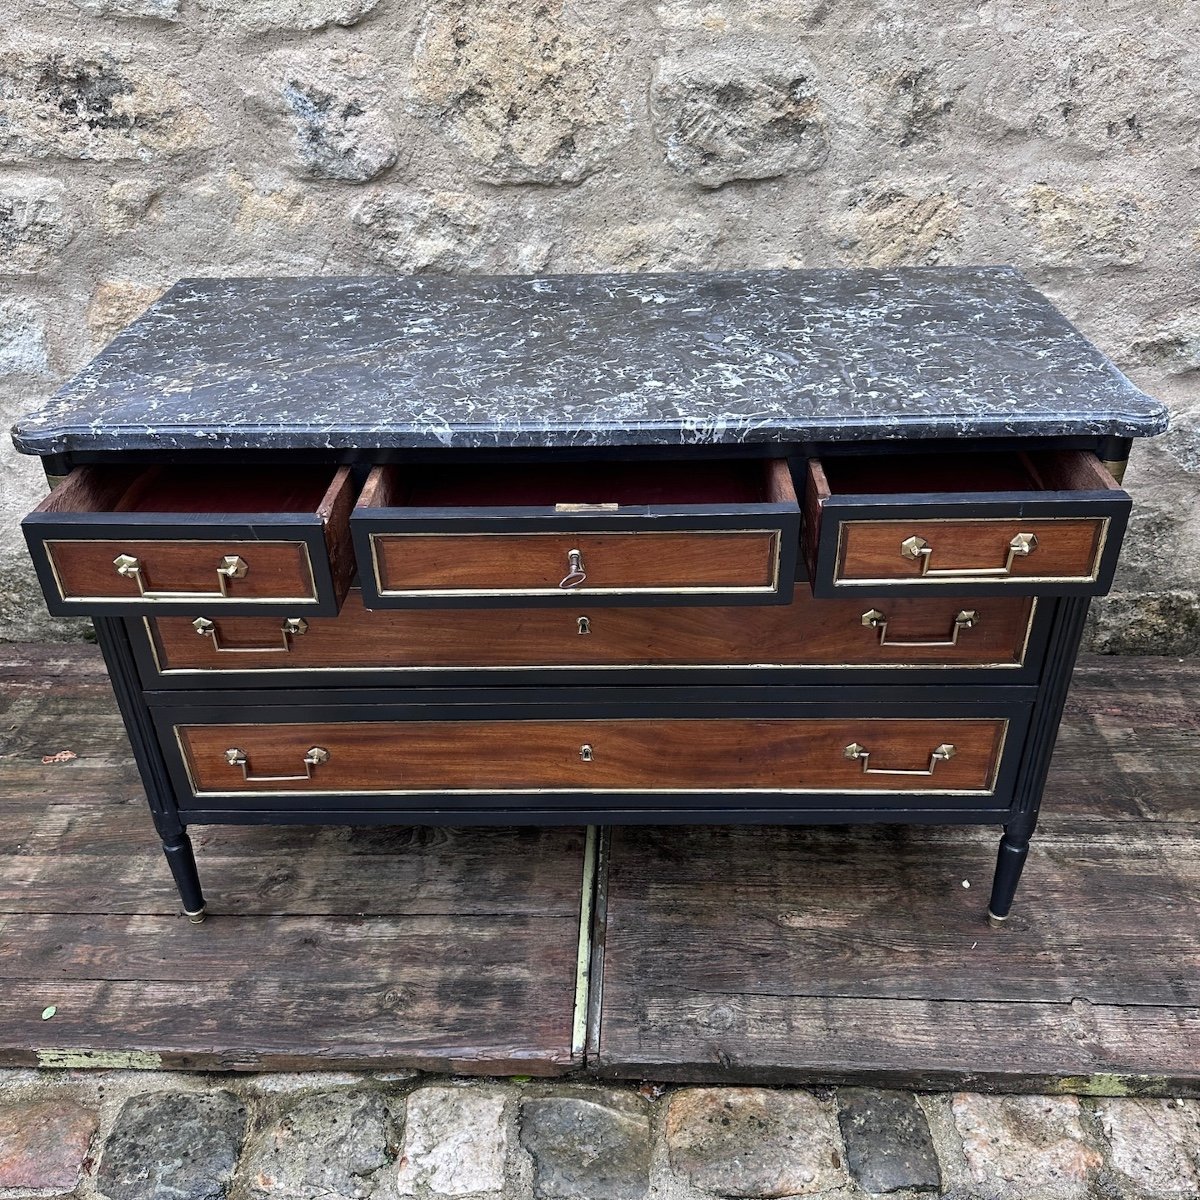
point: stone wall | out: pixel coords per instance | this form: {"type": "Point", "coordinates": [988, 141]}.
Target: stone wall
{"type": "Point", "coordinates": [142, 140]}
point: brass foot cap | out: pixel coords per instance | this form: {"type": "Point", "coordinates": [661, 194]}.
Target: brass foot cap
{"type": "Point", "coordinates": [196, 917]}
{"type": "Point", "coordinates": [994, 921]}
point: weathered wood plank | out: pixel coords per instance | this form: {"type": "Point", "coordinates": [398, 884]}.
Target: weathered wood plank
{"type": "Point", "coordinates": [1127, 746]}
{"type": "Point", "coordinates": [265, 1023]}
{"type": "Point", "coordinates": [261, 870]}
{"type": "Point", "coordinates": [877, 913]}
{"type": "Point", "coordinates": [428, 952]}
{"type": "Point", "coordinates": [440, 949]}
{"type": "Point", "coordinates": [931, 1044]}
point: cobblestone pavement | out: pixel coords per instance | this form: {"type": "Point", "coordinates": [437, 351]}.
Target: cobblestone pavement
{"type": "Point", "coordinates": [131, 1135]}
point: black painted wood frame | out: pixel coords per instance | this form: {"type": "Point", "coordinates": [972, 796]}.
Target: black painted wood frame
{"type": "Point", "coordinates": [1035, 705]}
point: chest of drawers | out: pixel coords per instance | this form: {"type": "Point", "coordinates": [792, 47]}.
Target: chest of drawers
{"type": "Point", "coordinates": [750, 547]}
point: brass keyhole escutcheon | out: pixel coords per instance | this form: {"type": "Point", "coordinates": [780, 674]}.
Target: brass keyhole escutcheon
{"type": "Point", "coordinates": [585, 752]}
{"type": "Point", "coordinates": [585, 625]}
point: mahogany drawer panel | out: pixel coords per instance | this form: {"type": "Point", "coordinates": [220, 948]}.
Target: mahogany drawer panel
{"type": "Point", "coordinates": [879, 755]}
{"type": "Point", "coordinates": [165, 539]}
{"type": "Point", "coordinates": [892, 632]}
{"type": "Point", "coordinates": [639, 532]}
{"type": "Point", "coordinates": [972, 524]}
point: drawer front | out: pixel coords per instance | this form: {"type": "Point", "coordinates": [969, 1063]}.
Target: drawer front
{"type": "Point", "coordinates": [179, 570]}
{"type": "Point", "coordinates": [127, 541]}
{"type": "Point", "coordinates": [674, 533]}
{"type": "Point", "coordinates": [1059, 536]}
{"type": "Point", "coordinates": [620, 563]}
{"type": "Point", "coordinates": [940, 551]}
{"type": "Point", "coordinates": [730, 755]}
{"type": "Point", "coordinates": [880, 632]}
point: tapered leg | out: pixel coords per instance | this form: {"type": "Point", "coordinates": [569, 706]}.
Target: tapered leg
{"type": "Point", "coordinates": [113, 637]}
{"type": "Point", "coordinates": [1062, 646]}
{"type": "Point", "coordinates": [1009, 862]}
{"type": "Point", "coordinates": [182, 862]}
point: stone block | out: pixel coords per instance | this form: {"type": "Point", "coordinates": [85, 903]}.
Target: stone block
{"type": "Point", "coordinates": [1084, 226]}
{"type": "Point", "coordinates": [442, 232]}
{"type": "Point", "coordinates": [151, 10]}
{"type": "Point", "coordinates": [888, 1145]}
{"type": "Point", "coordinates": [680, 243]}
{"type": "Point", "coordinates": [734, 16]}
{"type": "Point", "coordinates": [754, 1142]}
{"type": "Point", "coordinates": [128, 204]}
{"type": "Point", "coordinates": [1145, 622]}
{"type": "Point", "coordinates": [590, 1147]}
{"type": "Point", "coordinates": [178, 1144]}
{"type": "Point", "coordinates": [520, 85]}
{"type": "Point", "coordinates": [269, 200]}
{"type": "Point", "coordinates": [331, 101]}
{"type": "Point", "coordinates": [1026, 1146]}
{"type": "Point", "coordinates": [1154, 1146]}
{"type": "Point", "coordinates": [1172, 346]}
{"type": "Point", "coordinates": [34, 224]}
{"type": "Point", "coordinates": [22, 338]}
{"type": "Point", "coordinates": [751, 115]}
{"type": "Point", "coordinates": [913, 103]}
{"type": "Point", "coordinates": [268, 16]}
{"type": "Point", "coordinates": [332, 1145]}
{"type": "Point", "coordinates": [408, 231]}
{"type": "Point", "coordinates": [43, 1144]}
{"type": "Point", "coordinates": [59, 100]}
{"type": "Point", "coordinates": [890, 225]}
{"type": "Point", "coordinates": [455, 1142]}
{"type": "Point", "coordinates": [114, 304]}
{"type": "Point", "coordinates": [1096, 93]}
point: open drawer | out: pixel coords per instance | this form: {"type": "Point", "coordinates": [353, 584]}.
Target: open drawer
{"type": "Point", "coordinates": [124, 540]}
{"type": "Point", "coordinates": [1044, 522]}
{"type": "Point", "coordinates": [702, 532]}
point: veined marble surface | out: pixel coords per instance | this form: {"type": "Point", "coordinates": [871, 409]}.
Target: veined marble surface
{"type": "Point", "coordinates": [592, 360]}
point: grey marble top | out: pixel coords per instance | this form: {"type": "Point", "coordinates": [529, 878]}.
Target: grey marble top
{"type": "Point", "coordinates": [589, 360]}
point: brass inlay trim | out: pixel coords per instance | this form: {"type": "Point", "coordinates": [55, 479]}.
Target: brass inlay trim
{"type": "Point", "coordinates": [982, 576]}
{"type": "Point", "coordinates": [215, 598]}
{"type": "Point", "coordinates": [569, 535]}
{"type": "Point", "coordinates": [1115, 467]}
{"type": "Point", "coordinates": [1022, 655]}
{"type": "Point", "coordinates": [989, 790]}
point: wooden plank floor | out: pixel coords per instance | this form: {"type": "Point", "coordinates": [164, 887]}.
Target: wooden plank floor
{"type": "Point", "coordinates": [764, 955]}
{"type": "Point", "coordinates": [348, 948]}
{"type": "Point", "coordinates": [831, 955]}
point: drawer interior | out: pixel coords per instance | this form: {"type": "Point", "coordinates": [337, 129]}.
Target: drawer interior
{"type": "Point", "coordinates": [967, 473]}
{"type": "Point", "coordinates": [564, 486]}
{"type": "Point", "coordinates": [193, 490]}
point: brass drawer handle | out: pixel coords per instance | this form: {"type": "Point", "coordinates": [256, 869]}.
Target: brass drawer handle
{"type": "Point", "coordinates": [967, 618]}
{"type": "Point", "coordinates": [575, 573]}
{"type": "Point", "coordinates": [230, 567]}
{"type": "Point", "coordinates": [942, 753]}
{"type": "Point", "coordinates": [237, 758]}
{"type": "Point", "coordinates": [292, 627]}
{"type": "Point", "coordinates": [918, 548]}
